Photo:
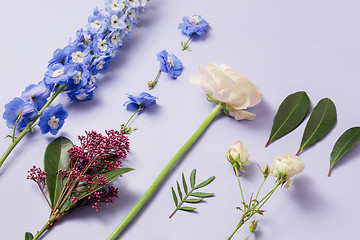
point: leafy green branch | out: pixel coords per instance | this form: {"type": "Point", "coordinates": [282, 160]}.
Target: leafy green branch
{"type": "Point", "coordinates": [196, 196]}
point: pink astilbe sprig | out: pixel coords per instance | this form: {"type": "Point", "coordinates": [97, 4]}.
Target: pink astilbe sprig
{"type": "Point", "coordinates": [38, 176]}
{"type": "Point", "coordinates": [102, 196]}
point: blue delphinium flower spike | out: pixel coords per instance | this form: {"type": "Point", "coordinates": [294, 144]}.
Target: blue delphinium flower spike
{"type": "Point", "coordinates": [192, 26]}
{"type": "Point", "coordinates": [52, 119]}
{"type": "Point", "coordinates": [169, 64]}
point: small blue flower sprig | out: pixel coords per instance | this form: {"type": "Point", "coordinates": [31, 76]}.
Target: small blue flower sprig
{"type": "Point", "coordinates": [72, 70]}
{"type": "Point", "coordinates": [169, 64]}
{"type": "Point", "coordinates": [191, 26]}
{"type": "Point", "coordinates": [138, 103]}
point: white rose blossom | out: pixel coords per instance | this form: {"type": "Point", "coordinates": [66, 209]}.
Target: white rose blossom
{"type": "Point", "coordinates": [230, 87]}
{"type": "Point", "coordinates": [285, 167]}
{"type": "Point", "coordinates": [238, 153]}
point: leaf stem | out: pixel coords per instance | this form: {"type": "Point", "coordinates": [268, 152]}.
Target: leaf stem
{"type": "Point", "coordinates": [185, 44]}
{"type": "Point", "coordinates": [182, 201]}
{"type": "Point", "coordinates": [30, 125]}
{"type": "Point", "coordinates": [164, 173]}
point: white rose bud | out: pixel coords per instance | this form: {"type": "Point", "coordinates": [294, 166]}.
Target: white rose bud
{"type": "Point", "coordinates": [285, 167]}
{"type": "Point", "coordinates": [230, 87]}
{"type": "Point", "coordinates": [238, 153]}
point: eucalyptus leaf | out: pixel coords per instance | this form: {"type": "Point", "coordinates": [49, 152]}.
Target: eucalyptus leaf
{"type": "Point", "coordinates": [28, 236]}
{"type": "Point", "coordinates": [321, 121]}
{"type": "Point", "coordinates": [201, 194]}
{"type": "Point", "coordinates": [192, 178]}
{"type": "Point", "coordinates": [179, 190]}
{"type": "Point", "coordinates": [111, 176]}
{"type": "Point", "coordinates": [56, 158]}
{"type": "Point", "coordinates": [174, 196]}
{"type": "Point", "coordinates": [188, 209]}
{"type": "Point", "coordinates": [347, 141]}
{"type": "Point", "coordinates": [292, 111]}
{"type": "Point", "coordinates": [204, 183]}
{"type": "Point", "coordinates": [193, 200]}
{"type": "Point", "coordinates": [184, 184]}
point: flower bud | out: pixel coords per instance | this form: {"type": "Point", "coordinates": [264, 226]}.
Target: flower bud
{"type": "Point", "coordinates": [253, 226]}
{"type": "Point", "coordinates": [266, 171]}
{"type": "Point", "coordinates": [238, 153]}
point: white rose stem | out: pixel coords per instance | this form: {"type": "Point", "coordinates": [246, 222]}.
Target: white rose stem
{"type": "Point", "coordinates": [254, 209]}
{"type": "Point", "coordinates": [30, 125]}
{"type": "Point", "coordinates": [164, 173]}
{"type": "Point", "coordinates": [236, 165]}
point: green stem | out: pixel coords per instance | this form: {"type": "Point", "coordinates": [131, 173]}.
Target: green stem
{"type": "Point", "coordinates": [184, 45]}
{"type": "Point", "coordinates": [257, 194]}
{"type": "Point", "coordinates": [45, 227]}
{"type": "Point", "coordinates": [16, 122]}
{"type": "Point", "coordinates": [151, 84]}
{"type": "Point", "coordinates": [163, 174]}
{"type": "Point", "coordinates": [248, 236]}
{"type": "Point", "coordinates": [255, 209]}
{"type": "Point", "coordinates": [139, 109]}
{"type": "Point", "coordinates": [30, 125]}
{"type": "Point", "coordinates": [238, 178]}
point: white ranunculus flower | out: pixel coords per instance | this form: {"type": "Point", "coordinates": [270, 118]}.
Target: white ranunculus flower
{"type": "Point", "coordinates": [238, 153]}
{"type": "Point", "coordinates": [285, 167]}
{"type": "Point", "coordinates": [229, 86]}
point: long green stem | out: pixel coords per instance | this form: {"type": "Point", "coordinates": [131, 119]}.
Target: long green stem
{"type": "Point", "coordinates": [30, 125]}
{"type": "Point", "coordinates": [257, 194]}
{"type": "Point", "coordinates": [164, 173]}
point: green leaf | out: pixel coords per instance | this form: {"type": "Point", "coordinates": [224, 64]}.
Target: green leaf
{"type": "Point", "coordinates": [292, 111]}
{"type": "Point", "coordinates": [56, 158]}
{"type": "Point", "coordinates": [204, 183]}
{"type": "Point", "coordinates": [188, 209]}
{"type": "Point", "coordinates": [194, 200]}
{"type": "Point", "coordinates": [192, 178]}
{"type": "Point", "coordinates": [174, 196]}
{"type": "Point", "coordinates": [201, 194]}
{"type": "Point", "coordinates": [111, 176]}
{"type": "Point", "coordinates": [179, 190]}
{"type": "Point", "coordinates": [321, 121]}
{"type": "Point", "coordinates": [347, 141]}
{"type": "Point", "coordinates": [28, 236]}
{"type": "Point", "coordinates": [184, 184]}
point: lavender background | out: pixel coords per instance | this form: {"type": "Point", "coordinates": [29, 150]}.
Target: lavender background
{"type": "Point", "coordinates": [282, 45]}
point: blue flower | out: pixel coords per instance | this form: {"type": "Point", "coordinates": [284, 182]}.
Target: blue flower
{"type": "Point", "coordinates": [79, 53]}
{"type": "Point", "coordinates": [194, 25]}
{"type": "Point", "coordinates": [20, 111]}
{"type": "Point", "coordinates": [53, 119]}
{"type": "Point", "coordinates": [114, 6]}
{"type": "Point", "coordinates": [140, 101]}
{"type": "Point", "coordinates": [97, 23]}
{"type": "Point", "coordinates": [100, 64]}
{"type": "Point", "coordinates": [170, 64]}
{"type": "Point", "coordinates": [83, 94]}
{"type": "Point", "coordinates": [80, 76]}
{"type": "Point", "coordinates": [36, 94]}
{"type": "Point", "coordinates": [57, 74]}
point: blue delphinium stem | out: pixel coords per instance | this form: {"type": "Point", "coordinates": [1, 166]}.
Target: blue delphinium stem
{"type": "Point", "coordinates": [152, 84]}
{"type": "Point", "coordinates": [185, 44]}
{"type": "Point", "coordinates": [30, 125]}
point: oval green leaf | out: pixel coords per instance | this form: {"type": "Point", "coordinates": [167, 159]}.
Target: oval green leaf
{"type": "Point", "coordinates": [56, 158]}
{"type": "Point", "coordinates": [292, 111]}
{"type": "Point", "coordinates": [188, 209]}
{"type": "Point", "coordinates": [346, 141]}
{"type": "Point", "coordinates": [192, 178]}
{"type": "Point", "coordinates": [28, 236]}
{"type": "Point", "coordinates": [201, 194]}
{"type": "Point", "coordinates": [204, 183]}
{"type": "Point", "coordinates": [321, 121]}
{"type": "Point", "coordinates": [193, 200]}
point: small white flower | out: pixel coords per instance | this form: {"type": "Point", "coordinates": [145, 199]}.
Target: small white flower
{"type": "Point", "coordinates": [102, 45]}
{"type": "Point", "coordinates": [169, 61]}
{"type": "Point", "coordinates": [194, 20]}
{"type": "Point", "coordinates": [114, 21]}
{"type": "Point", "coordinates": [53, 122]}
{"type": "Point", "coordinates": [129, 27]}
{"type": "Point", "coordinates": [58, 73]}
{"type": "Point", "coordinates": [77, 77]}
{"type": "Point", "coordinates": [114, 5]}
{"type": "Point", "coordinates": [115, 38]}
{"type": "Point", "coordinates": [238, 153]}
{"type": "Point", "coordinates": [78, 57]}
{"type": "Point", "coordinates": [229, 86]}
{"type": "Point", "coordinates": [96, 24]}
{"type": "Point", "coordinates": [285, 167]}
{"type": "Point", "coordinates": [100, 65]}
{"type": "Point", "coordinates": [81, 96]}
{"type": "Point", "coordinates": [92, 80]}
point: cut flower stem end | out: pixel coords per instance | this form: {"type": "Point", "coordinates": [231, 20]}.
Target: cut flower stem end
{"type": "Point", "coordinates": [147, 195]}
